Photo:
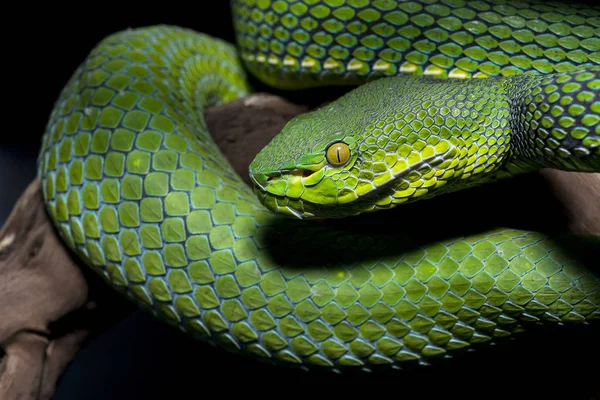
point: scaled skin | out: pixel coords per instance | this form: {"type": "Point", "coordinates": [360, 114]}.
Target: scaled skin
{"type": "Point", "coordinates": [294, 44]}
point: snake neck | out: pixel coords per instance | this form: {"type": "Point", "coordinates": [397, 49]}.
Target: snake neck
{"type": "Point", "coordinates": [554, 121]}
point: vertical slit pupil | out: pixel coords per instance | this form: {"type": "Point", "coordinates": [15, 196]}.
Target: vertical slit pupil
{"type": "Point", "coordinates": [337, 153]}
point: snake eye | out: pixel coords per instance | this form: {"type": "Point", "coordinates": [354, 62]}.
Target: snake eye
{"type": "Point", "coordinates": [338, 154]}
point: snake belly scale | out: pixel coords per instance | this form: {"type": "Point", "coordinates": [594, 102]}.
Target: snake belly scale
{"type": "Point", "coordinates": [138, 189]}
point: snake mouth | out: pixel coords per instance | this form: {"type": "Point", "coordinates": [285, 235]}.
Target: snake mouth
{"type": "Point", "coordinates": [265, 179]}
{"type": "Point", "coordinates": [304, 173]}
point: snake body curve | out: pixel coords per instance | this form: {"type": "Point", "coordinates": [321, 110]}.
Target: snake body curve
{"type": "Point", "coordinates": [138, 189]}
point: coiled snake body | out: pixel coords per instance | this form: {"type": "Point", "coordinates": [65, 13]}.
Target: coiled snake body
{"type": "Point", "coordinates": [139, 190]}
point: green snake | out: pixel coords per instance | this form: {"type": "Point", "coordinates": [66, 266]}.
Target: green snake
{"type": "Point", "coordinates": [450, 94]}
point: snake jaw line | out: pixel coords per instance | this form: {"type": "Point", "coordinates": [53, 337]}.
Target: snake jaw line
{"type": "Point", "coordinates": [293, 192]}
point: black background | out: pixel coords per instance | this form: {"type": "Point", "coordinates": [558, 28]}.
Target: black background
{"type": "Point", "coordinates": [141, 358]}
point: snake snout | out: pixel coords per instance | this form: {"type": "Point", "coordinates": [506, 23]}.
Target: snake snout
{"type": "Point", "coordinates": [259, 179]}
{"type": "Point", "coordinates": [262, 179]}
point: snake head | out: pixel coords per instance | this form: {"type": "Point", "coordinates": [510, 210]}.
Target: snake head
{"type": "Point", "coordinates": [385, 143]}
{"type": "Point", "coordinates": [298, 171]}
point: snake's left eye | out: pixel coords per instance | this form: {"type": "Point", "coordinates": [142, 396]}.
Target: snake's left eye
{"type": "Point", "coordinates": [338, 154]}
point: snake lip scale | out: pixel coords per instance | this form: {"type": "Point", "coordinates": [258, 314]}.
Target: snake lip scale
{"type": "Point", "coordinates": [263, 185]}
{"type": "Point", "coordinates": [449, 95]}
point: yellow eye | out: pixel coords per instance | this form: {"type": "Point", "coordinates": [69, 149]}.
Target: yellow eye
{"type": "Point", "coordinates": [338, 154]}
